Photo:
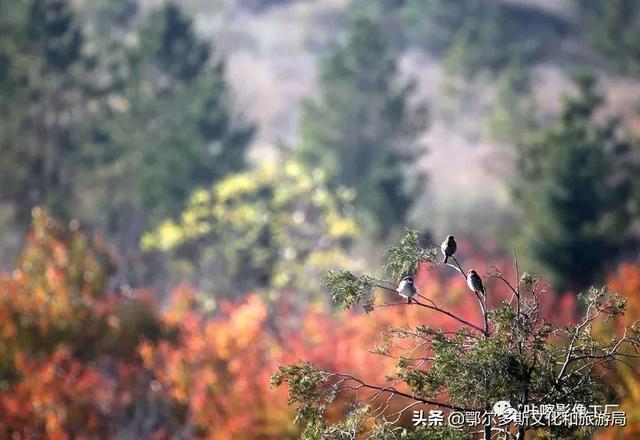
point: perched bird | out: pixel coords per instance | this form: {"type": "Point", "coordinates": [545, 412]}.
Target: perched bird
{"type": "Point", "coordinates": [475, 282]}
{"type": "Point", "coordinates": [449, 248]}
{"type": "Point", "coordinates": [407, 289]}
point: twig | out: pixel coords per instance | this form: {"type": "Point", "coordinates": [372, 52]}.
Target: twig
{"type": "Point", "coordinates": [515, 261]}
{"type": "Point", "coordinates": [579, 327]}
{"type": "Point", "coordinates": [379, 286]}
{"type": "Point", "coordinates": [435, 308]}
{"type": "Point", "coordinates": [457, 266]}
{"type": "Point", "coordinates": [397, 392]}
{"type": "Point", "coordinates": [451, 315]}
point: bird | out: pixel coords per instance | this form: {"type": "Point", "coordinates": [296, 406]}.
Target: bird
{"type": "Point", "coordinates": [407, 289]}
{"type": "Point", "coordinates": [475, 282]}
{"type": "Point", "coordinates": [449, 248]}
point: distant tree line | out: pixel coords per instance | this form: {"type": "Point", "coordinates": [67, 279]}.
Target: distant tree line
{"type": "Point", "coordinates": [123, 118]}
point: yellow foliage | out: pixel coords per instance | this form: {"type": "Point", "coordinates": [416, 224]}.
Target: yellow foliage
{"type": "Point", "coordinates": [278, 222]}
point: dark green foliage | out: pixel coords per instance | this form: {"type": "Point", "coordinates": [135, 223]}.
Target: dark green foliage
{"type": "Point", "coordinates": [114, 123]}
{"type": "Point", "coordinates": [613, 27]}
{"type": "Point", "coordinates": [361, 130]}
{"type": "Point", "coordinates": [574, 190]}
{"type": "Point", "coordinates": [174, 130]}
{"type": "Point", "coordinates": [167, 128]}
{"type": "Point", "coordinates": [482, 34]}
{"type": "Point", "coordinates": [119, 131]}
{"type": "Point", "coordinates": [53, 26]}
{"type": "Point", "coordinates": [172, 45]}
{"type": "Point", "coordinates": [43, 85]}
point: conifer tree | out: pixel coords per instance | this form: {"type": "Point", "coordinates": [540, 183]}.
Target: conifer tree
{"type": "Point", "coordinates": [613, 27]}
{"type": "Point", "coordinates": [512, 354]}
{"type": "Point", "coordinates": [361, 129]}
{"type": "Point", "coordinates": [172, 128]}
{"type": "Point", "coordinates": [43, 80]}
{"type": "Point", "coordinates": [482, 35]}
{"type": "Point", "coordinates": [515, 116]}
{"type": "Point", "coordinates": [168, 128]}
{"type": "Point", "coordinates": [574, 189]}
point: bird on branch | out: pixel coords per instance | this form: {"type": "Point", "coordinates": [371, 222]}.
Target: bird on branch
{"type": "Point", "coordinates": [449, 248]}
{"type": "Point", "coordinates": [475, 282]}
{"type": "Point", "coordinates": [407, 289]}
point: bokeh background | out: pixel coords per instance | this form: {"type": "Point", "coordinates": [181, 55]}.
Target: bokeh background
{"type": "Point", "coordinates": [176, 176]}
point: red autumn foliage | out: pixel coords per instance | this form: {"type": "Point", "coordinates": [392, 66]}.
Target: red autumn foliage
{"type": "Point", "coordinates": [79, 361]}
{"type": "Point", "coordinates": [626, 378]}
{"type": "Point", "coordinates": [66, 345]}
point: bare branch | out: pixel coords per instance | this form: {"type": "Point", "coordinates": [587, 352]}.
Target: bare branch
{"type": "Point", "coordinates": [434, 307]}
{"type": "Point", "coordinates": [589, 317]}
{"type": "Point", "coordinates": [451, 315]}
{"type": "Point", "coordinates": [515, 263]}
{"type": "Point", "coordinates": [396, 392]}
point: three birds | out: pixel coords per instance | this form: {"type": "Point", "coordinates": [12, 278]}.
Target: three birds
{"type": "Point", "coordinates": [407, 288]}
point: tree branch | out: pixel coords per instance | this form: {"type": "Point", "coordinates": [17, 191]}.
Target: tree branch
{"type": "Point", "coordinates": [397, 392]}
{"type": "Point", "coordinates": [451, 315]}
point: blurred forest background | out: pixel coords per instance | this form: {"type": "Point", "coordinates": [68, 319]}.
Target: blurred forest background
{"type": "Point", "coordinates": [176, 176]}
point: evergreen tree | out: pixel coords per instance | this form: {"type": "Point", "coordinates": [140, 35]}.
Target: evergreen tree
{"type": "Point", "coordinates": [513, 355]}
{"type": "Point", "coordinates": [515, 116]}
{"type": "Point", "coordinates": [117, 129]}
{"type": "Point", "coordinates": [43, 105]}
{"type": "Point", "coordinates": [574, 187]}
{"type": "Point", "coordinates": [481, 35]}
{"type": "Point", "coordinates": [169, 129]}
{"type": "Point", "coordinates": [107, 16]}
{"type": "Point", "coordinates": [361, 129]}
{"type": "Point", "coordinates": [172, 128]}
{"type": "Point", "coordinates": [614, 29]}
